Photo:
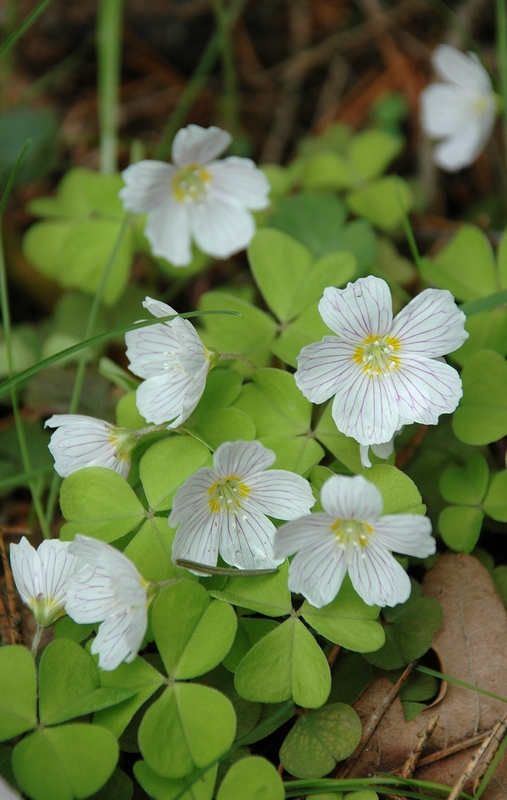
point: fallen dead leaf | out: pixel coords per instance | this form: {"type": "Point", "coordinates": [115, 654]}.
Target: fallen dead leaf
{"type": "Point", "coordinates": [472, 647]}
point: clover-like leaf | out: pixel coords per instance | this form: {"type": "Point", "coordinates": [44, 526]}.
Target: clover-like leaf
{"type": "Point", "coordinates": [66, 762]}
{"type": "Point", "coordinates": [319, 739]}
{"type": "Point", "coordinates": [286, 663]}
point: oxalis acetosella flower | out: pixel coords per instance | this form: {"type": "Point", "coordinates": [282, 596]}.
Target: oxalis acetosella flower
{"type": "Point", "coordinates": [42, 577]}
{"type": "Point", "coordinates": [82, 441]}
{"type": "Point", "coordinates": [383, 373]}
{"type": "Point", "coordinates": [460, 111]}
{"type": "Point", "coordinates": [223, 510]}
{"type": "Point", "coordinates": [108, 589]}
{"type": "Point", "coordinates": [196, 198]}
{"type": "Point", "coordinates": [174, 363]}
{"type": "Point", "coordinates": [350, 535]}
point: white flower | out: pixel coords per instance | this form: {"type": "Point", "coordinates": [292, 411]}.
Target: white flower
{"type": "Point", "coordinates": [383, 373]}
{"type": "Point", "coordinates": [174, 362]}
{"type": "Point", "coordinates": [7, 792]}
{"type": "Point", "coordinates": [223, 510]}
{"type": "Point", "coordinates": [461, 111]}
{"type": "Point", "coordinates": [198, 198]}
{"type": "Point", "coordinates": [82, 441]}
{"type": "Point", "coordinates": [42, 577]}
{"type": "Point", "coordinates": [108, 589]}
{"type": "Point", "coordinates": [351, 535]}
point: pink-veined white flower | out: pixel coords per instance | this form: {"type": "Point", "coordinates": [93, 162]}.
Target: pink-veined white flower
{"type": "Point", "coordinates": [82, 441]}
{"type": "Point", "coordinates": [108, 589]}
{"type": "Point", "coordinates": [42, 577]}
{"type": "Point", "coordinates": [174, 363]}
{"type": "Point", "coordinates": [461, 110]}
{"type": "Point", "coordinates": [383, 373]}
{"type": "Point", "coordinates": [222, 510]}
{"type": "Point", "coordinates": [197, 197]}
{"type": "Point", "coordinates": [352, 536]}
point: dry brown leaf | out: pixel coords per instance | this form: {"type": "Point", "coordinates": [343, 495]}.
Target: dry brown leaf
{"type": "Point", "coordinates": [472, 647]}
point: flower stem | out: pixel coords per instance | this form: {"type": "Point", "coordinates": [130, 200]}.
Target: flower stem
{"type": "Point", "coordinates": [81, 367]}
{"type": "Point", "coordinates": [109, 55]}
{"type": "Point", "coordinates": [27, 23]}
{"type": "Point", "coordinates": [36, 640]}
{"type": "Point", "coordinates": [501, 44]}
{"type": "Point", "coordinates": [194, 86]}
{"type": "Point", "coordinates": [7, 329]}
{"type": "Point", "coordinates": [230, 97]}
{"type": "Point", "coordinates": [237, 357]}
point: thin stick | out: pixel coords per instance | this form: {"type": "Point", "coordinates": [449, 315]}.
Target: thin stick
{"type": "Point", "coordinates": [450, 751]}
{"type": "Point", "coordinates": [373, 722]}
{"type": "Point", "coordinates": [498, 732]}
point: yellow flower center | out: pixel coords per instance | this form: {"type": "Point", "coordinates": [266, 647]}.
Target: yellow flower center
{"type": "Point", "coordinates": [480, 104]}
{"type": "Point", "coordinates": [227, 495]}
{"type": "Point", "coordinates": [350, 533]}
{"type": "Point", "coordinates": [123, 441]}
{"type": "Point", "coordinates": [189, 183]}
{"type": "Point", "coordinates": [377, 355]}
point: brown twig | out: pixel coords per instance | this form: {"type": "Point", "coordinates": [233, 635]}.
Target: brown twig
{"type": "Point", "coordinates": [496, 735]}
{"type": "Point", "coordinates": [333, 655]}
{"type": "Point", "coordinates": [9, 617]}
{"type": "Point", "coordinates": [373, 722]}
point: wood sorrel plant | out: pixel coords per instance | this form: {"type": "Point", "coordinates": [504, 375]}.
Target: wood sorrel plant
{"type": "Point", "coordinates": [271, 430]}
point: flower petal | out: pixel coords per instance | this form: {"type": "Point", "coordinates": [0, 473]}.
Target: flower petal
{"type": "Point", "coordinates": [90, 599]}
{"type": "Point", "coordinates": [430, 324]}
{"type": "Point", "coordinates": [246, 540]}
{"type": "Point", "coordinates": [409, 534]}
{"type": "Point", "coordinates": [239, 181]}
{"type": "Point", "coordinates": [148, 184]}
{"type": "Point", "coordinates": [193, 496]}
{"type": "Point", "coordinates": [462, 149]}
{"type": "Point", "coordinates": [241, 459]}
{"type": "Point", "coordinates": [157, 308]}
{"type": "Point", "coordinates": [425, 389]}
{"type": "Point", "coordinates": [344, 497]}
{"type": "Point", "coordinates": [318, 374]}
{"type": "Point", "coordinates": [197, 539]}
{"type": "Point", "coordinates": [318, 574]}
{"type": "Point", "coordinates": [281, 494]}
{"type": "Point", "coordinates": [156, 349]}
{"type": "Point", "coordinates": [462, 69]}
{"type": "Point", "coordinates": [120, 637]}
{"type": "Point", "coordinates": [168, 231]}
{"type": "Point", "coordinates": [26, 570]}
{"type": "Point", "coordinates": [306, 533]}
{"type": "Point", "coordinates": [58, 565]}
{"type": "Point", "coordinates": [82, 441]}
{"type": "Point", "coordinates": [365, 407]}
{"type": "Point", "coordinates": [363, 309]}
{"type": "Point", "coordinates": [445, 109]}
{"type": "Point", "coordinates": [220, 228]}
{"type": "Point", "coordinates": [377, 577]}
{"type": "Point", "coordinates": [196, 145]}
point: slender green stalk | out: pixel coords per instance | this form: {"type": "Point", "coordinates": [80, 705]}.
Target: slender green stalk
{"type": "Point", "coordinates": [501, 46]}
{"type": "Point", "coordinates": [7, 329]}
{"type": "Point", "coordinates": [230, 105]}
{"type": "Point", "coordinates": [27, 23]}
{"type": "Point", "coordinates": [81, 367]}
{"type": "Point", "coordinates": [463, 684]}
{"type": "Point", "coordinates": [109, 55]}
{"type": "Point", "coordinates": [7, 385]}
{"type": "Point", "coordinates": [194, 86]}
{"type": "Point", "coordinates": [36, 640]}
